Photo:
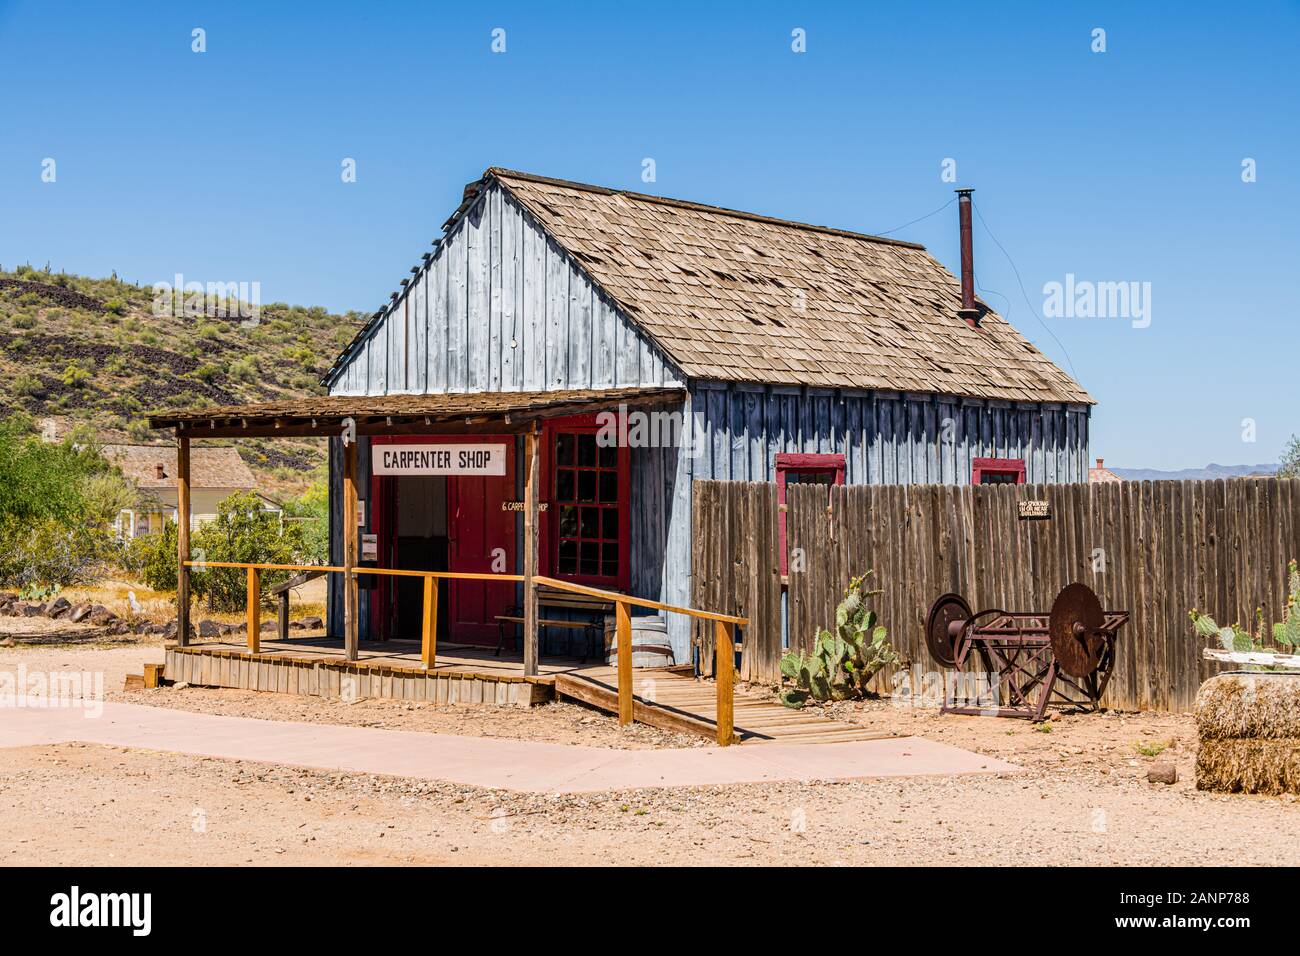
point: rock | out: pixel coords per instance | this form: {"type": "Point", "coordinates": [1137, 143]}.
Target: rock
{"type": "Point", "coordinates": [79, 612]}
{"type": "Point", "coordinates": [312, 623]}
{"type": "Point", "coordinates": [1162, 773]}
{"type": "Point", "coordinates": [226, 630]}
{"type": "Point", "coordinates": [209, 629]}
{"type": "Point", "coordinates": [101, 616]}
{"type": "Point", "coordinates": [142, 627]}
{"type": "Point", "coordinates": [269, 627]}
{"type": "Point", "coordinates": [58, 606]}
{"type": "Point", "coordinates": [8, 597]}
{"type": "Point", "coordinates": [297, 626]}
{"type": "Point", "coordinates": [155, 629]}
{"type": "Point", "coordinates": [33, 610]}
{"type": "Point", "coordinates": [170, 630]}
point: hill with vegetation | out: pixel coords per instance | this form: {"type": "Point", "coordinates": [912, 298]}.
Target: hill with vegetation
{"type": "Point", "coordinates": [92, 357]}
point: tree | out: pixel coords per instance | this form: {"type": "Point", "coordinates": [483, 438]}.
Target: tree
{"type": "Point", "coordinates": [1290, 466]}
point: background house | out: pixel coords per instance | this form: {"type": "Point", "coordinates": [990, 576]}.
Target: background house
{"type": "Point", "coordinates": [215, 474]}
{"type": "Point", "coordinates": [794, 353]}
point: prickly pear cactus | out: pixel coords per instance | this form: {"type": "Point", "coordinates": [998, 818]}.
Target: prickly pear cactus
{"type": "Point", "coordinates": [1286, 632]}
{"type": "Point", "coordinates": [841, 663]}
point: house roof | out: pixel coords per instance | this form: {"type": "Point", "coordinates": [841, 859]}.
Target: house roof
{"type": "Point", "coordinates": [737, 296]}
{"type": "Point", "coordinates": [1102, 473]}
{"type": "Point", "coordinates": [210, 467]}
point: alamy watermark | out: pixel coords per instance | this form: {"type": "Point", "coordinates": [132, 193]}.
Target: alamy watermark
{"type": "Point", "coordinates": [71, 689]}
{"type": "Point", "coordinates": [214, 300]}
{"type": "Point", "coordinates": [1085, 299]}
{"type": "Point", "coordinates": [650, 429]}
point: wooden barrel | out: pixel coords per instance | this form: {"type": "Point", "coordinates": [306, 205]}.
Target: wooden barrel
{"type": "Point", "coordinates": [650, 645]}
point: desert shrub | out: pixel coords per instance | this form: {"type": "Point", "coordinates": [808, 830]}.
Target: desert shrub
{"type": "Point", "coordinates": [24, 320]}
{"type": "Point", "coordinates": [842, 663]}
{"type": "Point", "coordinates": [241, 532]}
{"type": "Point", "coordinates": [310, 514]}
{"type": "Point", "coordinates": [75, 375]}
{"type": "Point", "coordinates": [29, 385]}
{"type": "Point", "coordinates": [116, 305]}
{"type": "Point", "coordinates": [52, 501]}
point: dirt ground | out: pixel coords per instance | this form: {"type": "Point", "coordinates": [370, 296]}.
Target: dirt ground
{"type": "Point", "coordinates": [1081, 798]}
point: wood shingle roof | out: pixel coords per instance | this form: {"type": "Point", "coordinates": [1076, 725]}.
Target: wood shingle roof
{"type": "Point", "coordinates": [736, 296]}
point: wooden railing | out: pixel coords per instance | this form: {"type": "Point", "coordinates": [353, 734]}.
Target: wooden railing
{"type": "Point", "coordinates": [725, 624]}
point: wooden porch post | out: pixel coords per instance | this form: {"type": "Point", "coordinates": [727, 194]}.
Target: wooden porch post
{"type": "Point", "coordinates": [254, 611]}
{"type": "Point", "coordinates": [531, 453]}
{"type": "Point", "coordinates": [623, 619]}
{"type": "Point", "coordinates": [182, 540]}
{"type": "Point", "coordinates": [429, 631]}
{"type": "Point", "coordinates": [350, 599]}
{"type": "Point", "coordinates": [725, 641]}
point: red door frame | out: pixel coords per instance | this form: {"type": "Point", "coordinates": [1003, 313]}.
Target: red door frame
{"type": "Point", "coordinates": [1002, 466]}
{"type": "Point", "coordinates": [549, 537]}
{"type": "Point", "coordinates": [793, 461]}
{"type": "Point", "coordinates": [382, 501]}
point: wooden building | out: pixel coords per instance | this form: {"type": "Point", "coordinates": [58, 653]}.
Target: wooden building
{"type": "Point", "coordinates": [716, 343]}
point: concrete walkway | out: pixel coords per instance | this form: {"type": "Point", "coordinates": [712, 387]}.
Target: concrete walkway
{"type": "Point", "coordinates": [481, 761]}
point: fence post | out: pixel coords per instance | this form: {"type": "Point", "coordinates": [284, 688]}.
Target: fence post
{"type": "Point", "coordinates": [254, 611]}
{"type": "Point", "coordinates": [724, 641]}
{"type": "Point", "coordinates": [624, 621]}
{"type": "Point", "coordinates": [429, 638]}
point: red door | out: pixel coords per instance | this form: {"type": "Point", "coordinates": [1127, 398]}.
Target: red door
{"type": "Point", "coordinates": [481, 540]}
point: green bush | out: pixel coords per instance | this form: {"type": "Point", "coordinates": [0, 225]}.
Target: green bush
{"type": "Point", "coordinates": [242, 532]}
{"type": "Point", "coordinates": [53, 504]}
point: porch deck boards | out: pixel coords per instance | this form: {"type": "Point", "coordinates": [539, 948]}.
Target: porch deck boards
{"type": "Point", "coordinates": [391, 668]}
{"type": "Point", "coordinates": [758, 718]}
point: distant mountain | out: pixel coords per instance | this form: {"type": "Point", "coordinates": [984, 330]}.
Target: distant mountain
{"type": "Point", "coordinates": [94, 353]}
{"type": "Point", "coordinates": [1194, 474]}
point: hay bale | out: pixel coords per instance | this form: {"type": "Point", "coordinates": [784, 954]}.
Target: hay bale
{"type": "Point", "coordinates": [1262, 765]}
{"type": "Point", "coordinates": [1249, 706]}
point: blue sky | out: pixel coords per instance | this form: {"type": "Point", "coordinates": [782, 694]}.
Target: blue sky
{"type": "Point", "coordinates": [1121, 166]}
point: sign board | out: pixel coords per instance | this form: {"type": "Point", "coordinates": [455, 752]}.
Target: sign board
{"type": "Point", "coordinates": [519, 506]}
{"type": "Point", "coordinates": [439, 460]}
{"type": "Point", "coordinates": [370, 547]}
{"type": "Point", "coordinates": [1034, 509]}
{"type": "Point", "coordinates": [361, 513]}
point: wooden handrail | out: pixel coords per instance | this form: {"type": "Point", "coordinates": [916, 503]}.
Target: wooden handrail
{"type": "Point", "coordinates": [724, 624]}
{"type": "Point", "coordinates": [614, 596]}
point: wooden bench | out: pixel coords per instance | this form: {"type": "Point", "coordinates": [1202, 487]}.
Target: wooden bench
{"type": "Point", "coordinates": [592, 624]}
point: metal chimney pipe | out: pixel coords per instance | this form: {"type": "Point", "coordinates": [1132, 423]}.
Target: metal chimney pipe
{"type": "Point", "coordinates": [968, 310]}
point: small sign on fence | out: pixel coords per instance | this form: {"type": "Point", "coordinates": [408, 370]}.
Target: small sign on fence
{"type": "Point", "coordinates": [1034, 508]}
{"type": "Point", "coordinates": [519, 506]}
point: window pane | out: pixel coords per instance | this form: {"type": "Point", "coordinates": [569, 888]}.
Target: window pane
{"type": "Point", "coordinates": [609, 456]}
{"type": "Point", "coordinates": [609, 486]}
{"type": "Point", "coordinates": [564, 486]}
{"type": "Point", "coordinates": [586, 486]}
{"type": "Point", "coordinates": [568, 557]}
{"type": "Point", "coordinates": [591, 522]}
{"type": "Point", "coordinates": [587, 450]}
{"type": "Point", "coordinates": [564, 449]}
{"type": "Point", "coordinates": [590, 558]}
{"type": "Point", "coordinates": [609, 560]}
{"type": "Point", "coordinates": [568, 521]}
{"type": "Point", "coordinates": [809, 478]}
{"type": "Point", "coordinates": [609, 523]}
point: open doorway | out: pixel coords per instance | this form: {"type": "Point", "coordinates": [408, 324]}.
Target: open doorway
{"type": "Point", "coordinates": [420, 543]}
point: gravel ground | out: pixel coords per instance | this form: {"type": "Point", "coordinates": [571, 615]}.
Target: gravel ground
{"type": "Point", "coordinates": [1081, 798]}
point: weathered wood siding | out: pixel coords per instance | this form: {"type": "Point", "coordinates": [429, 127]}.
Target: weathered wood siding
{"type": "Point", "coordinates": [886, 438]}
{"type": "Point", "coordinates": [500, 307]}
{"type": "Point", "coordinates": [1156, 549]}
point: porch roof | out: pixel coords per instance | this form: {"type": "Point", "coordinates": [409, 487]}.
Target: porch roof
{"type": "Point", "coordinates": [459, 413]}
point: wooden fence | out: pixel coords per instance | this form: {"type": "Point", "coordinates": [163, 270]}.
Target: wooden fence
{"type": "Point", "coordinates": [1156, 549]}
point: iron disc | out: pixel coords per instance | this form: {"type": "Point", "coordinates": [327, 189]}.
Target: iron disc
{"type": "Point", "coordinates": [938, 637]}
{"type": "Point", "coordinates": [1077, 651]}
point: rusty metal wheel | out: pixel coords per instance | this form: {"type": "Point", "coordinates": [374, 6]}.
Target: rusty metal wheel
{"type": "Point", "coordinates": [1075, 628]}
{"type": "Point", "coordinates": [939, 632]}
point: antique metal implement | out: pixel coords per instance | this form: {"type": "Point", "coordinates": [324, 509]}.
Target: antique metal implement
{"type": "Point", "coordinates": [1029, 659]}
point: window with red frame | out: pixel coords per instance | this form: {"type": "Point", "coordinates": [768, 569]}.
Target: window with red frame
{"type": "Point", "coordinates": [998, 471]}
{"type": "Point", "coordinates": [795, 469]}
{"type": "Point", "coordinates": [589, 502]}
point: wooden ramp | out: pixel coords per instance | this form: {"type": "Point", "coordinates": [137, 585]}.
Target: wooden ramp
{"type": "Point", "coordinates": [674, 701]}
